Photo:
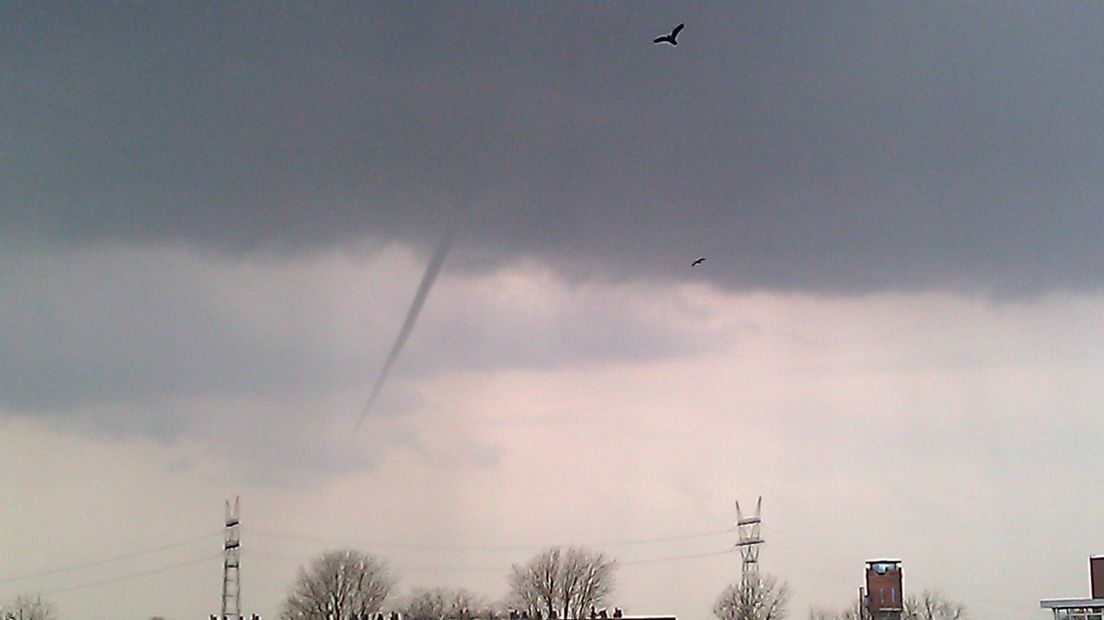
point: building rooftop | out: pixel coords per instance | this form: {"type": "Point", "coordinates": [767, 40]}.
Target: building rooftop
{"type": "Point", "coordinates": [1071, 603]}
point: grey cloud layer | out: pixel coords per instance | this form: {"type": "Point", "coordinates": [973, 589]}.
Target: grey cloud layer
{"type": "Point", "coordinates": [132, 324]}
{"type": "Point", "coordinates": [837, 148]}
{"type": "Point", "coordinates": [165, 342]}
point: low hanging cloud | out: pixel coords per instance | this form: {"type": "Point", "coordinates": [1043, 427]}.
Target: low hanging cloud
{"type": "Point", "coordinates": [228, 354]}
{"type": "Point", "coordinates": [116, 325]}
{"type": "Point", "coordinates": [171, 344]}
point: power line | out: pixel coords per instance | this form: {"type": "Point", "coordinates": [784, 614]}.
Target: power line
{"type": "Point", "coordinates": [499, 569]}
{"type": "Point", "coordinates": [408, 567]}
{"type": "Point", "coordinates": [642, 541]}
{"type": "Point", "coordinates": [674, 558]}
{"type": "Point", "coordinates": [117, 558]}
{"type": "Point", "coordinates": [439, 547]}
{"type": "Point", "coordinates": [135, 575]}
{"type": "Point", "coordinates": [290, 536]}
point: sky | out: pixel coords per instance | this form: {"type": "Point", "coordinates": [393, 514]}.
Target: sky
{"type": "Point", "coordinates": [214, 219]}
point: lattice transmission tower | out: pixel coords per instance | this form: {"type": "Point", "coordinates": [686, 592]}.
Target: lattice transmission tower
{"type": "Point", "coordinates": [231, 564]}
{"type": "Point", "coordinates": [748, 527]}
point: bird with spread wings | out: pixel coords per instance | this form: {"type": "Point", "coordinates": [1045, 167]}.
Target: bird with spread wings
{"type": "Point", "coordinates": [670, 38]}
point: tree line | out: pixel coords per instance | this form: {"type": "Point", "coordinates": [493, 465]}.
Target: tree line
{"type": "Point", "coordinates": [558, 583]}
{"type": "Point", "coordinates": [350, 585]}
{"type": "Point", "coordinates": [929, 605]}
{"type": "Point", "coordinates": [555, 584]}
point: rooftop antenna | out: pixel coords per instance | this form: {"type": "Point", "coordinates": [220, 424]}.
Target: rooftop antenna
{"type": "Point", "coordinates": [747, 526]}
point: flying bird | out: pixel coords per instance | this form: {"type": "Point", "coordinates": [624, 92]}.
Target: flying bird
{"type": "Point", "coordinates": [670, 38]}
{"type": "Point", "coordinates": [698, 262]}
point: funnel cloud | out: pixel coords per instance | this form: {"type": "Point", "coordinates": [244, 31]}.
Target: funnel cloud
{"type": "Point", "coordinates": [428, 278]}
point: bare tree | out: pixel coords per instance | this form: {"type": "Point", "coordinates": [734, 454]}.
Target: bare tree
{"type": "Point", "coordinates": [425, 605]}
{"type": "Point", "coordinates": [339, 585]}
{"type": "Point", "coordinates": [467, 605]}
{"type": "Point", "coordinates": [759, 598]}
{"type": "Point", "coordinates": [27, 607]}
{"type": "Point", "coordinates": [442, 604]}
{"type": "Point", "coordinates": [564, 583]}
{"type": "Point", "coordinates": [932, 606]}
{"type": "Point", "coordinates": [854, 612]}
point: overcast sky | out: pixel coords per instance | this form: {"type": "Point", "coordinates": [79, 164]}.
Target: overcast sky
{"type": "Point", "coordinates": [214, 217]}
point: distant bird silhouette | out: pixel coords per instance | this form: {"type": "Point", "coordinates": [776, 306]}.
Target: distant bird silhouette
{"type": "Point", "coordinates": [670, 38]}
{"type": "Point", "coordinates": [697, 262]}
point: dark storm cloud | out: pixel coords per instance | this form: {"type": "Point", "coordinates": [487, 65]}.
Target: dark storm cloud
{"type": "Point", "coordinates": [849, 148]}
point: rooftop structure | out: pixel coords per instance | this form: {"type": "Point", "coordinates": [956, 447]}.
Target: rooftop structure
{"type": "Point", "coordinates": [1082, 608]}
{"type": "Point", "coordinates": [883, 595]}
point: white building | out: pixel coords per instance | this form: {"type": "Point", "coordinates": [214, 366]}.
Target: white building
{"type": "Point", "coordinates": [1082, 608]}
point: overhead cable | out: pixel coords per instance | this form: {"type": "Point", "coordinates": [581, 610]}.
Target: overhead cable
{"type": "Point", "coordinates": [443, 547]}
{"type": "Point", "coordinates": [102, 561]}
{"type": "Point", "coordinates": [135, 575]}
